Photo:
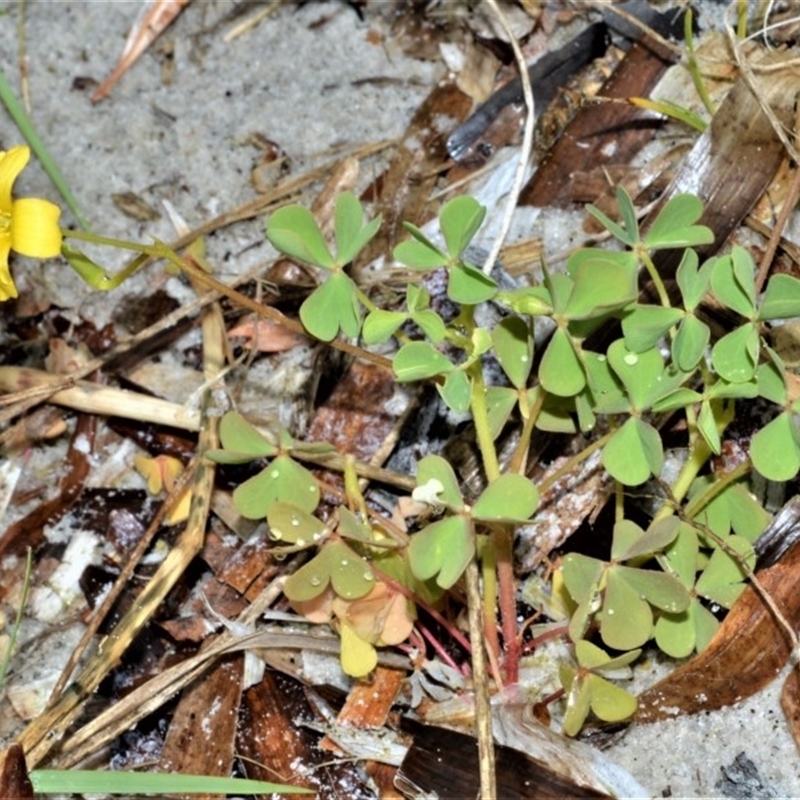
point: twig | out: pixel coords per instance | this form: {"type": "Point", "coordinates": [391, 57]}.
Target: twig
{"type": "Point", "coordinates": [527, 141]}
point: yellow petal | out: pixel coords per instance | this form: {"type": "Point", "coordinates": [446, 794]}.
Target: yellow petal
{"type": "Point", "coordinates": [7, 287]}
{"type": "Point", "coordinates": [34, 227]}
{"type": "Point", "coordinates": [11, 164]}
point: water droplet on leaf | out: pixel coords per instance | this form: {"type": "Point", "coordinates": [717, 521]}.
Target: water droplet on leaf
{"type": "Point", "coordinates": [631, 359]}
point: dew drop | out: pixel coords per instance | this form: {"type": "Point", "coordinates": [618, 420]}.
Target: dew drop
{"type": "Point", "coordinates": [316, 536]}
{"type": "Point", "coordinates": [368, 576]}
{"type": "Point", "coordinates": [295, 520]}
{"type": "Point", "coordinates": [631, 359]}
{"type": "Point", "coordinates": [277, 535]}
{"type": "Point", "coordinates": [524, 358]}
{"type": "Point", "coordinates": [275, 473]}
{"type": "Point", "coordinates": [345, 561]}
{"type": "Point", "coordinates": [315, 580]}
{"type": "Point", "coordinates": [312, 488]}
{"type": "Point", "coordinates": [300, 542]}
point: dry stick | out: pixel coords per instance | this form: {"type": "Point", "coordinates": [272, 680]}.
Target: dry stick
{"type": "Point", "coordinates": [788, 207]}
{"type": "Point", "coordinates": [45, 731]}
{"type": "Point", "coordinates": [121, 582]}
{"type": "Point", "coordinates": [527, 140]}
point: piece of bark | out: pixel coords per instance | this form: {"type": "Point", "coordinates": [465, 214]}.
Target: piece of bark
{"type": "Point", "coordinates": [29, 531]}
{"type": "Point", "coordinates": [604, 133]}
{"type": "Point", "coordinates": [749, 649]}
{"type": "Point", "coordinates": [14, 781]}
{"type": "Point", "coordinates": [444, 764]}
{"type": "Point", "coordinates": [202, 734]}
{"type": "Point", "coordinates": [790, 703]}
{"type": "Point", "coordinates": [367, 706]}
{"type": "Point", "coordinates": [277, 748]}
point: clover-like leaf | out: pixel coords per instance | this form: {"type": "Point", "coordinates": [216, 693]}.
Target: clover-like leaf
{"type": "Point", "coordinates": [468, 285]}
{"type": "Point", "coordinates": [561, 371]}
{"type": "Point", "coordinates": [513, 346]}
{"type": "Point", "coordinates": [674, 226]}
{"type": "Point", "coordinates": [532, 301]}
{"type": "Point", "coordinates": [419, 252]}
{"type": "Point", "coordinates": [659, 589]}
{"type": "Point", "coordinates": [439, 469]}
{"type": "Point", "coordinates": [416, 361]}
{"type": "Point", "coordinates": [609, 702]}
{"type": "Point", "coordinates": [775, 450]}
{"type": "Point", "coordinates": [644, 325]}
{"type": "Point", "coordinates": [294, 231]}
{"type": "Point", "coordinates": [690, 343]}
{"type": "Point", "coordinates": [351, 575]}
{"type": "Point", "coordinates": [707, 425]}
{"type": "Point", "coordinates": [291, 524]}
{"type": "Point", "coordinates": [460, 219]}
{"type": "Point", "coordinates": [604, 281]}
{"type": "Point", "coordinates": [781, 299]}
{"type": "Point", "coordinates": [456, 391]}
{"type": "Point", "coordinates": [733, 281]}
{"type": "Point", "coordinates": [633, 453]}
{"type": "Point", "coordinates": [607, 392]}
{"type": "Point", "coordinates": [352, 527]}
{"type": "Point", "coordinates": [352, 235]}
{"type": "Point", "coordinates": [509, 498]}
{"type": "Point", "coordinates": [579, 700]}
{"type": "Point", "coordinates": [678, 635]}
{"type": "Point", "coordinates": [240, 441]}
{"type": "Point", "coordinates": [582, 575]}
{"type": "Point", "coordinates": [735, 355]}
{"type": "Point", "coordinates": [444, 549]}
{"type": "Point", "coordinates": [284, 480]}
{"type": "Point", "coordinates": [332, 306]}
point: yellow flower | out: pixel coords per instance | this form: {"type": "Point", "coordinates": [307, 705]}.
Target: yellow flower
{"type": "Point", "coordinates": [28, 226]}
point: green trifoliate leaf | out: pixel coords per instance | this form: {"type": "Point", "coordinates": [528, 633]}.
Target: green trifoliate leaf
{"type": "Point", "coordinates": [733, 281]}
{"type": "Point", "coordinates": [582, 576]}
{"type": "Point", "coordinates": [559, 288]}
{"type": "Point", "coordinates": [509, 498]}
{"type": "Point", "coordinates": [680, 556]}
{"type": "Point", "coordinates": [775, 450]}
{"type": "Point", "coordinates": [431, 324]}
{"type": "Point", "coordinates": [634, 453]}
{"type": "Point", "coordinates": [578, 699]}
{"type": "Point", "coordinates": [561, 371]}
{"type": "Point", "coordinates": [331, 307]}
{"type": "Point", "coordinates": [443, 549]}
{"type": "Point", "coordinates": [658, 588]}
{"type": "Point", "coordinates": [722, 581]}
{"type": "Point", "coordinates": [608, 393]}
{"type": "Point", "coordinates": [460, 219]}
{"type": "Point", "coordinates": [513, 346]}
{"type": "Point", "coordinates": [595, 658]}
{"type": "Point", "coordinates": [468, 285]}
{"type": "Point", "coordinates": [707, 425]}
{"type": "Point", "coordinates": [294, 231]}
{"type": "Point", "coordinates": [644, 326]}
{"type": "Point", "coordinates": [610, 702]}
{"type": "Point", "coordinates": [604, 281]}
{"type": "Point", "coordinates": [352, 235]}
{"type": "Point", "coordinates": [748, 516]}
{"type": "Point", "coordinates": [416, 361]}
{"type": "Point", "coordinates": [735, 355]}
{"type": "Point", "coordinates": [781, 299]}
{"type": "Point", "coordinates": [674, 226]}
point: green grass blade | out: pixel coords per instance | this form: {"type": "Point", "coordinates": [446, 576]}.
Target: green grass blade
{"type": "Point", "coordinates": [79, 781]}
{"type": "Point", "coordinates": [28, 130]}
{"type": "Point", "coordinates": [26, 585]}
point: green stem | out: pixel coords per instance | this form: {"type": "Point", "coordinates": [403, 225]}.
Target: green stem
{"type": "Point", "coordinates": [663, 296]}
{"type": "Point", "coordinates": [480, 416]}
{"type": "Point", "coordinates": [723, 481]}
{"type": "Point", "coordinates": [28, 130]}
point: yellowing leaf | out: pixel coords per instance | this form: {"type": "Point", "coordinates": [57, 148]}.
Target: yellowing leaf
{"type": "Point", "coordinates": [358, 657]}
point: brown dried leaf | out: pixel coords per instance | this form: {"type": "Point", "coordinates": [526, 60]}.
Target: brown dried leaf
{"type": "Point", "coordinates": [14, 781]}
